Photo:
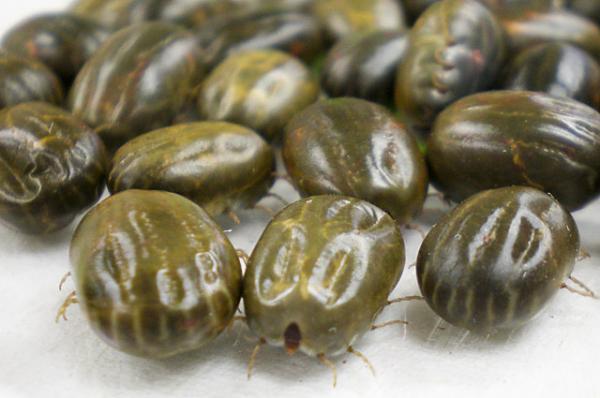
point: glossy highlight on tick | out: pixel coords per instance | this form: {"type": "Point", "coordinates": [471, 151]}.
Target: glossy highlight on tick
{"type": "Point", "coordinates": [321, 272]}
{"type": "Point", "coordinates": [495, 260]}
{"type": "Point", "coordinates": [154, 274]}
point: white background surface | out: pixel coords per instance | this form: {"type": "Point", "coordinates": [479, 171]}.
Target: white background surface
{"type": "Point", "coordinates": [554, 355]}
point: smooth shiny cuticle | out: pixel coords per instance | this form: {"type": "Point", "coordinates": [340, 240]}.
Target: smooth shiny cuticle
{"type": "Point", "coordinates": [139, 80]}
{"type": "Point", "coordinates": [154, 274]}
{"type": "Point", "coordinates": [220, 166]}
{"type": "Point", "coordinates": [502, 138]}
{"type": "Point", "coordinates": [455, 48]}
{"type": "Point", "coordinates": [349, 146]}
{"type": "Point", "coordinates": [496, 259]}
{"type": "Point", "coordinates": [320, 273]}
{"type": "Point", "coordinates": [53, 167]}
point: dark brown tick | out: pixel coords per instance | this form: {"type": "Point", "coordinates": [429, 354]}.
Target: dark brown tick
{"type": "Point", "coordinates": [497, 258]}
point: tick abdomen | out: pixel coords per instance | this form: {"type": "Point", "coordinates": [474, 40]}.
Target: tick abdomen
{"type": "Point", "coordinates": [154, 274]}
{"type": "Point", "coordinates": [321, 272]}
{"type": "Point", "coordinates": [495, 260]}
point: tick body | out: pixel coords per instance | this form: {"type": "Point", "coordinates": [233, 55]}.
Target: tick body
{"type": "Point", "coordinates": [364, 66]}
{"type": "Point", "coordinates": [25, 80]}
{"type": "Point", "coordinates": [154, 274]}
{"type": "Point", "coordinates": [260, 89]}
{"type": "Point", "coordinates": [455, 48]}
{"type": "Point", "coordinates": [558, 69]}
{"type": "Point", "coordinates": [526, 29]}
{"type": "Point", "coordinates": [115, 14]}
{"type": "Point", "coordinates": [124, 93]}
{"type": "Point", "coordinates": [220, 166]}
{"type": "Point", "coordinates": [63, 42]}
{"type": "Point", "coordinates": [343, 18]}
{"type": "Point", "coordinates": [495, 139]}
{"type": "Point", "coordinates": [197, 13]}
{"type": "Point", "coordinates": [295, 33]}
{"type": "Point", "coordinates": [320, 274]}
{"type": "Point", "coordinates": [587, 8]}
{"type": "Point", "coordinates": [53, 167]}
{"type": "Point", "coordinates": [497, 258]}
{"type": "Point", "coordinates": [516, 8]}
{"type": "Point", "coordinates": [353, 147]}
{"type": "Point", "coordinates": [414, 8]}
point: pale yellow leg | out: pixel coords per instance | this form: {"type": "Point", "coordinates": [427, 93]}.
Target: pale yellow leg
{"type": "Point", "coordinates": [585, 292]}
{"type": "Point", "coordinates": [63, 280]}
{"type": "Point", "coordinates": [363, 358]}
{"type": "Point", "coordinates": [62, 311]}
{"type": "Point", "coordinates": [252, 360]}
{"type": "Point", "coordinates": [265, 209]}
{"type": "Point", "coordinates": [234, 217]}
{"type": "Point", "coordinates": [326, 362]}
{"type": "Point", "coordinates": [583, 254]}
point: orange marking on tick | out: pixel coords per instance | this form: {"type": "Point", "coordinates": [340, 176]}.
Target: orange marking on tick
{"type": "Point", "coordinates": [477, 57]}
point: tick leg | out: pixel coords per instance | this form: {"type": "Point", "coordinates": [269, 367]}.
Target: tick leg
{"type": "Point", "coordinates": [582, 285]}
{"type": "Point", "coordinates": [265, 209]}
{"type": "Point", "coordinates": [326, 362]}
{"type": "Point", "coordinates": [252, 360]}
{"type": "Point", "coordinates": [376, 326]}
{"type": "Point", "coordinates": [63, 280]}
{"type": "Point", "coordinates": [585, 292]}
{"type": "Point", "coordinates": [583, 255]}
{"type": "Point", "coordinates": [363, 358]}
{"type": "Point", "coordinates": [233, 217]}
{"type": "Point", "coordinates": [402, 299]}
{"type": "Point", "coordinates": [62, 311]}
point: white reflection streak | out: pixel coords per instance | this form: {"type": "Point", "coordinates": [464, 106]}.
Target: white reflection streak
{"type": "Point", "coordinates": [382, 58]}
{"type": "Point", "coordinates": [380, 177]}
{"type": "Point", "coordinates": [349, 245]}
{"type": "Point", "coordinates": [433, 332]}
{"type": "Point", "coordinates": [571, 75]}
{"type": "Point", "coordinates": [462, 339]}
{"type": "Point", "coordinates": [484, 231]}
{"type": "Point", "coordinates": [168, 61]}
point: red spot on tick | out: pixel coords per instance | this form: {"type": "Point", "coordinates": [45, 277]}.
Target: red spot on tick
{"type": "Point", "coordinates": [477, 58]}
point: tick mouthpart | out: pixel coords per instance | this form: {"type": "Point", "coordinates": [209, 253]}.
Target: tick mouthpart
{"type": "Point", "coordinates": [292, 338]}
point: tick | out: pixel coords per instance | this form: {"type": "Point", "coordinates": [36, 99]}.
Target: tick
{"type": "Point", "coordinates": [321, 272]}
